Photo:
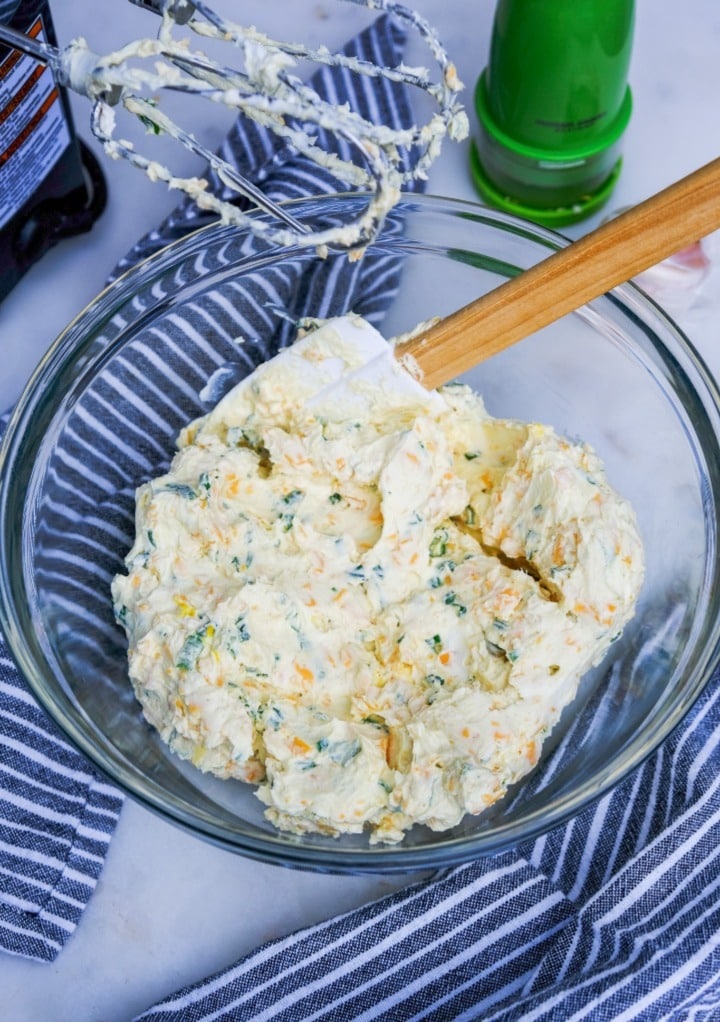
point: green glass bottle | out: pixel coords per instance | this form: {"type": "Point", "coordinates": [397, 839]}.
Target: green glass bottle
{"type": "Point", "coordinates": [552, 105]}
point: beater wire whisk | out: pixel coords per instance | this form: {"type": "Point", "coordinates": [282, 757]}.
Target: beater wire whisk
{"type": "Point", "coordinates": [367, 156]}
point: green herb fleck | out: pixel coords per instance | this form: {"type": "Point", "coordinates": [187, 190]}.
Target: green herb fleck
{"type": "Point", "coordinates": [274, 718]}
{"type": "Point", "coordinates": [192, 648]}
{"type": "Point", "coordinates": [342, 752]}
{"type": "Point", "coordinates": [147, 122]}
{"type": "Point", "coordinates": [438, 544]}
{"type": "Point", "coordinates": [452, 601]}
{"type": "Point", "coordinates": [181, 489]}
{"type": "Point", "coordinates": [245, 563]}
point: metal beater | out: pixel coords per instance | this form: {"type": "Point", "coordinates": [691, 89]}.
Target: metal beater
{"type": "Point", "coordinates": [265, 89]}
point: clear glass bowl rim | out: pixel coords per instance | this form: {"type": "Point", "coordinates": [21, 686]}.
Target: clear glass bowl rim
{"type": "Point", "coordinates": [39, 397]}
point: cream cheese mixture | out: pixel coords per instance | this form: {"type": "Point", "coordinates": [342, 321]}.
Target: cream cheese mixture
{"type": "Point", "coordinates": [370, 600]}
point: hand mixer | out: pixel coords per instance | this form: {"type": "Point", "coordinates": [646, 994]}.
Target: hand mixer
{"type": "Point", "coordinates": [265, 89]}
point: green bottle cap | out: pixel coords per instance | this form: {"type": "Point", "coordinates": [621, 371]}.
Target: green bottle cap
{"type": "Point", "coordinates": [552, 106]}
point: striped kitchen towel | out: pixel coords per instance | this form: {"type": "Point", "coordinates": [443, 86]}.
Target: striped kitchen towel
{"type": "Point", "coordinates": [57, 814]}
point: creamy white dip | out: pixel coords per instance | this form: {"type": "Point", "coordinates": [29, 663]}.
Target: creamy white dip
{"type": "Point", "coordinates": [370, 600]}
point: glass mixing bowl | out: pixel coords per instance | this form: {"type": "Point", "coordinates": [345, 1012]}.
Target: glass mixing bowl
{"type": "Point", "coordinates": [160, 345]}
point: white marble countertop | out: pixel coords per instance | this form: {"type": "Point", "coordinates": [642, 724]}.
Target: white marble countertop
{"type": "Point", "coordinates": [170, 909]}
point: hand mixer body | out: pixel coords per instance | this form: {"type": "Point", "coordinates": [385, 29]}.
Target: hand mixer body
{"type": "Point", "coordinates": [50, 186]}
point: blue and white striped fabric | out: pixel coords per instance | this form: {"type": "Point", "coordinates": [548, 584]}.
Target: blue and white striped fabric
{"type": "Point", "coordinates": [56, 820]}
{"type": "Point", "coordinates": [57, 816]}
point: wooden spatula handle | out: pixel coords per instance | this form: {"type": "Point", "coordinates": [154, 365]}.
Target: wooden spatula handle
{"type": "Point", "coordinates": [610, 255]}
